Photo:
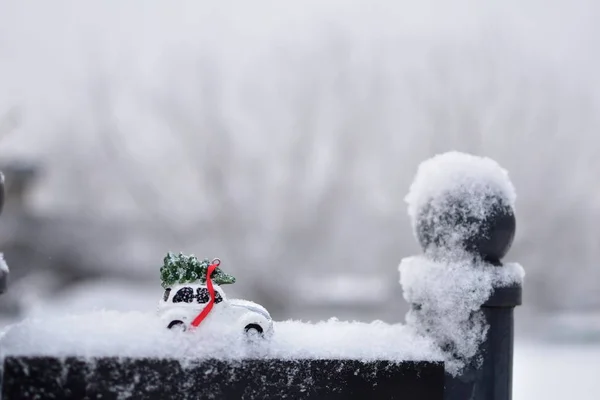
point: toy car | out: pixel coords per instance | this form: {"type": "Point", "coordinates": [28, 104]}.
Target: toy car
{"type": "Point", "coordinates": [183, 302]}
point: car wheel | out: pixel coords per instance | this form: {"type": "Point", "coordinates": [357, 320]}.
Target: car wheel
{"type": "Point", "coordinates": [177, 325]}
{"type": "Point", "coordinates": [254, 330]}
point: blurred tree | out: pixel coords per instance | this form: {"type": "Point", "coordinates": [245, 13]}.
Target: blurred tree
{"type": "Point", "coordinates": [289, 150]}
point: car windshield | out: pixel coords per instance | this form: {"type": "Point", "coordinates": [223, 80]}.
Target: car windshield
{"type": "Point", "coordinates": [188, 295]}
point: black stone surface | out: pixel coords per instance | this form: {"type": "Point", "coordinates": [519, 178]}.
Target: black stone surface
{"type": "Point", "coordinates": [113, 378]}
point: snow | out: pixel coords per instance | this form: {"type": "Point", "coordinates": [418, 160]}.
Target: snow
{"type": "Point", "coordinates": [141, 334]}
{"type": "Point", "coordinates": [453, 170]}
{"type": "Point", "coordinates": [480, 183]}
{"type": "Point", "coordinates": [357, 340]}
{"type": "Point", "coordinates": [552, 372]}
{"type": "Point", "coordinates": [3, 264]}
{"type": "Point", "coordinates": [541, 370]}
{"type": "Point", "coordinates": [450, 295]}
{"type": "Point", "coordinates": [449, 287]}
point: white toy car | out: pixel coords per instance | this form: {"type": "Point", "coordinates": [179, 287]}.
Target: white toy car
{"type": "Point", "coordinates": [182, 303]}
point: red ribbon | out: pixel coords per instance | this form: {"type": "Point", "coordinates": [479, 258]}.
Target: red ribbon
{"type": "Point", "coordinates": [211, 292]}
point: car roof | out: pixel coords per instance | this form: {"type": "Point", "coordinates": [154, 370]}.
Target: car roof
{"type": "Point", "coordinates": [193, 285]}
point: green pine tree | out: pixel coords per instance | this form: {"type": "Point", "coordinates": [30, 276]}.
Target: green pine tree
{"type": "Point", "coordinates": [177, 269]}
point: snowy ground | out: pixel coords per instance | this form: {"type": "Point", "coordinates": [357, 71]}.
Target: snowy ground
{"type": "Point", "coordinates": [552, 372]}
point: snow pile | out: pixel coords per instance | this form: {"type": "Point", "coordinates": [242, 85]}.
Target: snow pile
{"type": "Point", "coordinates": [449, 296]}
{"type": "Point", "coordinates": [335, 339]}
{"type": "Point", "coordinates": [450, 196]}
{"type": "Point", "coordinates": [137, 334]}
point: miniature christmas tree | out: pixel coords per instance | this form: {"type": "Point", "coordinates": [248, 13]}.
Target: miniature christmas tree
{"type": "Point", "coordinates": [180, 268]}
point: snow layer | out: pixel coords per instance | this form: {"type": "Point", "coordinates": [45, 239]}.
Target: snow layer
{"type": "Point", "coordinates": [449, 295]}
{"type": "Point", "coordinates": [451, 170]}
{"type": "Point", "coordinates": [477, 180]}
{"type": "Point", "coordinates": [138, 334]}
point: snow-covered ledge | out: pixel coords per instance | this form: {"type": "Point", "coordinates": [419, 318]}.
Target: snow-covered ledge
{"type": "Point", "coordinates": [456, 343]}
{"type": "Point", "coordinates": [132, 355]}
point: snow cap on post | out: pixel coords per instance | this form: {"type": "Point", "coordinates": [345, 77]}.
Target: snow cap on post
{"type": "Point", "coordinates": [462, 205]}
